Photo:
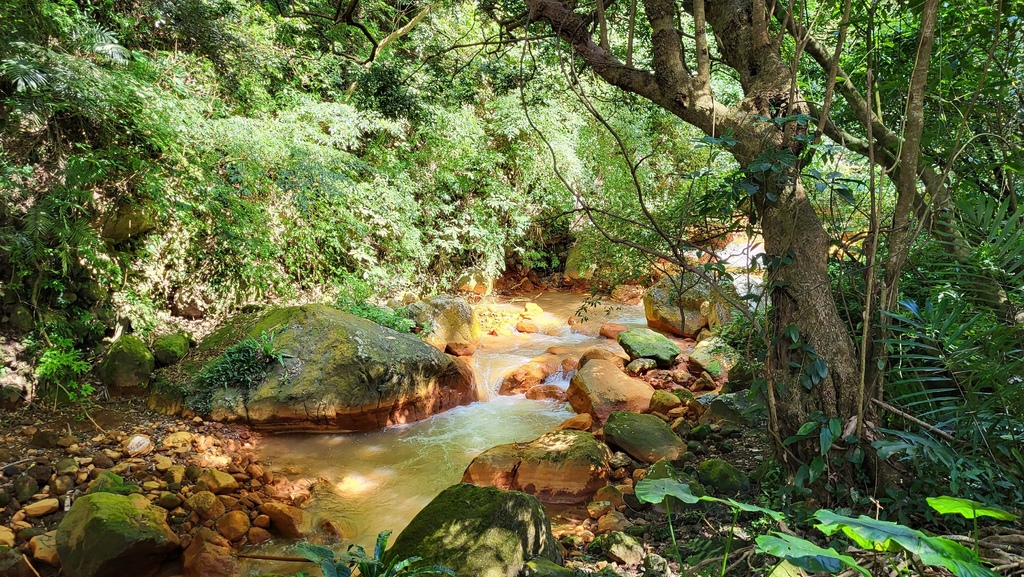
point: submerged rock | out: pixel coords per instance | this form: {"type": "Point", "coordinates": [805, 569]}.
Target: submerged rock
{"type": "Point", "coordinates": [106, 534]}
{"type": "Point", "coordinates": [479, 532]}
{"type": "Point", "coordinates": [342, 372]}
{"type": "Point", "coordinates": [600, 387]}
{"type": "Point", "coordinates": [561, 467]}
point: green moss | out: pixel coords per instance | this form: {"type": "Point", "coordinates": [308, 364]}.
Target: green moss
{"type": "Point", "coordinates": [128, 363]}
{"type": "Point", "coordinates": [646, 438]}
{"type": "Point", "coordinates": [107, 482]}
{"type": "Point", "coordinates": [646, 344]}
{"type": "Point", "coordinates": [722, 477]}
{"type": "Point", "coordinates": [171, 348]}
{"type": "Point", "coordinates": [480, 532]}
{"type": "Point", "coordinates": [103, 531]}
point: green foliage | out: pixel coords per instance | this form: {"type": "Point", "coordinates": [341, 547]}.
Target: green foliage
{"type": "Point", "coordinates": [969, 509]}
{"type": "Point", "coordinates": [379, 565]}
{"type": "Point", "coordinates": [61, 367]}
{"type": "Point", "coordinates": [243, 366]}
{"type": "Point", "coordinates": [805, 554]}
{"type": "Point", "coordinates": [885, 536]}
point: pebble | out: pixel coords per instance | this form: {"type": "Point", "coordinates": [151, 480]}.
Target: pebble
{"type": "Point", "coordinates": [41, 508]}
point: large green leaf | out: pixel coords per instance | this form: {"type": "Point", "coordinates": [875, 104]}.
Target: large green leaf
{"type": "Point", "coordinates": [946, 505]}
{"type": "Point", "coordinates": [777, 516]}
{"type": "Point", "coordinates": [805, 554]}
{"type": "Point", "coordinates": [878, 535]}
{"type": "Point", "coordinates": [655, 491]}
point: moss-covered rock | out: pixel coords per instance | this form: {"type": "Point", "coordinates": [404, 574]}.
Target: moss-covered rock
{"type": "Point", "coordinates": [619, 547]}
{"type": "Point", "coordinates": [20, 318]}
{"type": "Point", "coordinates": [664, 470]}
{"type": "Point", "coordinates": [646, 438]}
{"type": "Point", "coordinates": [341, 372]}
{"type": "Point", "coordinates": [107, 482]}
{"type": "Point", "coordinates": [673, 304]}
{"type": "Point", "coordinates": [128, 220]}
{"type": "Point", "coordinates": [171, 348]}
{"type": "Point", "coordinates": [560, 467]}
{"type": "Point", "coordinates": [105, 535]}
{"type": "Point", "coordinates": [722, 477]}
{"type": "Point", "coordinates": [127, 366]}
{"type": "Point", "coordinates": [479, 532]}
{"type": "Point", "coordinates": [714, 356]}
{"type": "Point", "coordinates": [647, 344]}
{"type": "Point", "coordinates": [451, 320]}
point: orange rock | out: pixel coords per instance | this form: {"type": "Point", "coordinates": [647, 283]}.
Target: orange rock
{"type": "Point", "coordinates": [599, 388]}
{"type": "Point", "coordinates": [603, 354]}
{"type": "Point", "coordinates": [287, 520]}
{"type": "Point", "coordinates": [529, 375]}
{"type": "Point", "coordinates": [582, 422]}
{"type": "Point", "coordinates": [209, 555]}
{"type": "Point", "coordinates": [545, 393]}
{"type": "Point", "coordinates": [233, 525]}
{"type": "Point", "coordinates": [569, 364]}
{"type": "Point", "coordinates": [527, 326]}
{"type": "Point", "coordinates": [612, 330]}
{"type": "Point", "coordinates": [257, 535]}
{"type": "Point", "coordinates": [613, 521]}
{"type": "Point", "coordinates": [462, 349]}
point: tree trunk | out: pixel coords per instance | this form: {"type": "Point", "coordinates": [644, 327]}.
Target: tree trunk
{"type": "Point", "coordinates": [801, 296]}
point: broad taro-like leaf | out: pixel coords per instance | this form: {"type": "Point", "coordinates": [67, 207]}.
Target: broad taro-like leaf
{"type": "Point", "coordinates": [655, 491]}
{"type": "Point", "coordinates": [746, 508]}
{"type": "Point", "coordinates": [806, 555]}
{"type": "Point", "coordinates": [970, 509]}
{"type": "Point", "coordinates": [871, 533]}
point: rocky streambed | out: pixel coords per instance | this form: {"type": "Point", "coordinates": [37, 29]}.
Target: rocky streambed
{"type": "Point", "coordinates": [539, 403]}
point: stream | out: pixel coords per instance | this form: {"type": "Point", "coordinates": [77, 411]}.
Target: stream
{"type": "Point", "coordinates": [379, 480]}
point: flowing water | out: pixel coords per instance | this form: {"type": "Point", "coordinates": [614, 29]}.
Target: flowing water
{"type": "Point", "coordinates": [376, 481]}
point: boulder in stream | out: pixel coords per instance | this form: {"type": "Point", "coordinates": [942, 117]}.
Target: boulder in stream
{"type": "Point", "coordinates": [451, 320]}
{"type": "Point", "coordinates": [479, 532]}
{"type": "Point", "coordinates": [340, 372]}
{"type": "Point", "coordinates": [646, 438]}
{"type": "Point", "coordinates": [647, 344]}
{"type": "Point", "coordinates": [560, 467]}
{"type": "Point", "coordinates": [600, 387]}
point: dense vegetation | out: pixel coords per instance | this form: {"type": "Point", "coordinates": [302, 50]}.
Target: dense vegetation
{"type": "Point", "coordinates": [166, 160]}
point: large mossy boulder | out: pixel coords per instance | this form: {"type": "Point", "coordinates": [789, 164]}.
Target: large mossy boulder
{"type": "Point", "coordinates": [646, 438]}
{"type": "Point", "coordinates": [108, 535]}
{"type": "Point", "coordinates": [560, 467]}
{"type": "Point", "coordinates": [171, 348]}
{"type": "Point", "coordinates": [127, 366]}
{"type": "Point", "coordinates": [673, 305]}
{"type": "Point", "coordinates": [450, 320]}
{"type": "Point", "coordinates": [479, 532]}
{"type": "Point", "coordinates": [647, 344]}
{"type": "Point", "coordinates": [340, 372]}
{"type": "Point", "coordinates": [600, 387]}
{"type": "Point", "coordinates": [685, 304]}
